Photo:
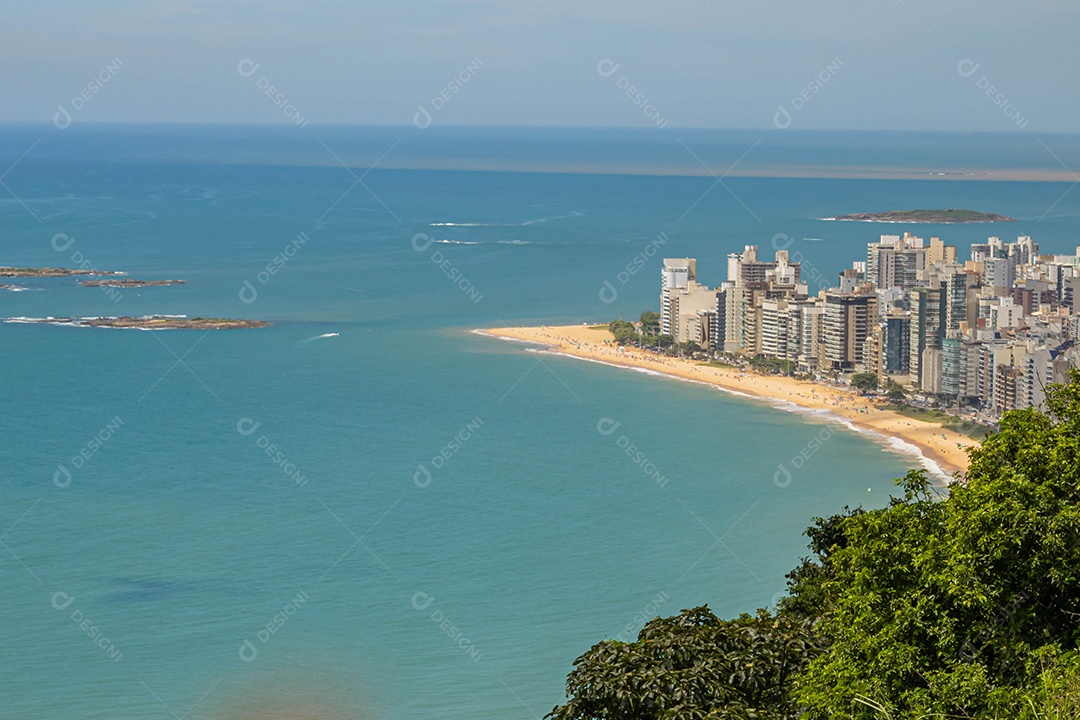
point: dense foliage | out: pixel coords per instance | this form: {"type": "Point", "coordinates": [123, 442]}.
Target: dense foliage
{"type": "Point", "coordinates": [693, 666]}
{"type": "Point", "coordinates": [772, 365]}
{"type": "Point", "coordinates": [864, 381]}
{"type": "Point", "coordinates": [964, 606]}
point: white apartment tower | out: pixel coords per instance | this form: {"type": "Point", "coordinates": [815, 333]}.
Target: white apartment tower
{"type": "Point", "coordinates": [676, 275]}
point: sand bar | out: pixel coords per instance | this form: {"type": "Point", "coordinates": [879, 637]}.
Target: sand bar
{"type": "Point", "coordinates": [940, 445]}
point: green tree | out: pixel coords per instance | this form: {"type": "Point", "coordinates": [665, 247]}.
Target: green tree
{"type": "Point", "coordinates": [688, 348]}
{"type": "Point", "coordinates": [957, 603]}
{"type": "Point", "coordinates": [650, 323]}
{"type": "Point", "coordinates": [894, 391]}
{"type": "Point", "coordinates": [864, 382]}
{"type": "Point", "coordinates": [693, 666]}
{"type": "Point", "coordinates": [953, 606]}
{"type": "Point", "coordinates": [623, 331]}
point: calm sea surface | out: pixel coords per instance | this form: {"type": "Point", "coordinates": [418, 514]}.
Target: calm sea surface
{"type": "Point", "coordinates": [366, 510]}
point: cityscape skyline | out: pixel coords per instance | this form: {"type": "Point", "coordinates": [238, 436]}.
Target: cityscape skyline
{"type": "Point", "coordinates": [991, 332]}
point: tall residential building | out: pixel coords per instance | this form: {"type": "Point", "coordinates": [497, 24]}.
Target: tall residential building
{"type": "Point", "coordinates": [719, 335]}
{"type": "Point", "coordinates": [896, 262]}
{"type": "Point", "coordinates": [939, 252]}
{"type": "Point", "coordinates": [811, 320]}
{"type": "Point", "coordinates": [999, 273]}
{"type": "Point", "coordinates": [686, 308]}
{"type": "Point", "coordinates": [960, 368]}
{"type": "Point", "coordinates": [931, 367]}
{"type": "Point", "coordinates": [774, 328]}
{"type": "Point", "coordinates": [956, 299]}
{"type": "Point", "coordinates": [927, 328]}
{"type": "Point", "coordinates": [675, 275]}
{"type": "Point", "coordinates": [896, 344]}
{"type": "Point", "coordinates": [846, 324]}
{"type": "Point", "coordinates": [745, 269]}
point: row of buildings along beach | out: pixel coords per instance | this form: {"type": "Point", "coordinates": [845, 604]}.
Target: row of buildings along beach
{"type": "Point", "coordinates": [988, 332]}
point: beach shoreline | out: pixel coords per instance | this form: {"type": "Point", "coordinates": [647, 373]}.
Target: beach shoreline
{"type": "Point", "coordinates": [939, 448]}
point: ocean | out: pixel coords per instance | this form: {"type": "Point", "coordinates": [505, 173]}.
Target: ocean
{"type": "Point", "coordinates": [367, 510]}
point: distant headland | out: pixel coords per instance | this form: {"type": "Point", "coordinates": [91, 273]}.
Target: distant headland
{"type": "Point", "coordinates": [127, 283]}
{"type": "Point", "coordinates": [950, 215]}
{"type": "Point", "coordinates": [148, 322]}
{"type": "Point", "coordinates": [14, 272]}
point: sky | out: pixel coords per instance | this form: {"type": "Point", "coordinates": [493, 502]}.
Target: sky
{"type": "Point", "coordinates": [914, 65]}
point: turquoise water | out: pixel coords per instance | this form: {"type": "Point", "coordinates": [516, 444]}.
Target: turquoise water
{"type": "Point", "coordinates": [463, 594]}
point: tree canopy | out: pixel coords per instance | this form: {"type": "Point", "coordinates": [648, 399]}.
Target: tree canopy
{"type": "Point", "coordinates": [864, 381]}
{"type": "Point", "coordinates": [960, 603]}
{"type": "Point", "coordinates": [650, 323]}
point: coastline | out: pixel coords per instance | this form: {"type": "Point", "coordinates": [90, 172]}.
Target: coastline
{"type": "Point", "coordinates": [861, 414]}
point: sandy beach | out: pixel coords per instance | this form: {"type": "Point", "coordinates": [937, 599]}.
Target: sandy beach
{"type": "Point", "coordinates": [941, 446]}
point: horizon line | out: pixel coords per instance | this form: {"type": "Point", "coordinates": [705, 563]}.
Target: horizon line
{"type": "Point", "coordinates": [513, 126]}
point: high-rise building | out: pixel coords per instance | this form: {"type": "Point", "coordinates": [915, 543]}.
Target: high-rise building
{"type": "Point", "coordinates": [777, 339]}
{"type": "Point", "coordinates": [675, 275]}
{"type": "Point", "coordinates": [686, 305]}
{"type": "Point", "coordinates": [1000, 272]}
{"type": "Point", "coordinates": [846, 324]}
{"type": "Point", "coordinates": [896, 262]}
{"type": "Point", "coordinates": [896, 344]}
{"type": "Point", "coordinates": [931, 370]}
{"type": "Point", "coordinates": [956, 299]}
{"type": "Point", "coordinates": [746, 269]}
{"type": "Point", "coordinates": [926, 329]}
{"type": "Point", "coordinates": [960, 368]}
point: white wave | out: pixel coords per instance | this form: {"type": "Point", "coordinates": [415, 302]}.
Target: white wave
{"type": "Point", "coordinates": [576, 213]}
{"type": "Point", "coordinates": [890, 443]}
{"type": "Point", "coordinates": [514, 242]}
{"type": "Point", "coordinates": [17, 288]}
{"type": "Point", "coordinates": [519, 341]}
{"type": "Point", "coordinates": [39, 321]}
{"type": "Point", "coordinates": [556, 217]}
{"type": "Point", "coordinates": [458, 242]}
{"type": "Point", "coordinates": [320, 337]}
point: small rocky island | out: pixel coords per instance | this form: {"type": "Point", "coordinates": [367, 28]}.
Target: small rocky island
{"type": "Point", "coordinates": [14, 272]}
{"type": "Point", "coordinates": [148, 322]}
{"type": "Point", "coordinates": [127, 283]}
{"type": "Point", "coordinates": [951, 215]}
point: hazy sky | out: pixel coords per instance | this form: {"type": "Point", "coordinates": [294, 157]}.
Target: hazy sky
{"type": "Point", "coordinates": [843, 64]}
